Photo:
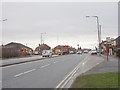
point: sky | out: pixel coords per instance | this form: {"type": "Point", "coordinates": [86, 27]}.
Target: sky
{"type": "Point", "coordinates": [62, 23]}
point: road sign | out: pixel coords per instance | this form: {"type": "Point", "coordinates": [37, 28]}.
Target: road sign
{"type": "Point", "coordinates": [108, 39]}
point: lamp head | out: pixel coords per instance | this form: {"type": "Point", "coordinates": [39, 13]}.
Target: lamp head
{"type": "Point", "coordinates": [87, 16]}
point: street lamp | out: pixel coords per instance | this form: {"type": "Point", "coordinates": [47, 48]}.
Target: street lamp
{"type": "Point", "coordinates": [87, 16]}
{"type": "Point", "coordinates": [99, 31]}
{"type": "Point", "coordinates": [42, 37]}
{"type": "Point", "coordinates": [1, 24]}
{"type": "Point", "coordinates": [4, 20]}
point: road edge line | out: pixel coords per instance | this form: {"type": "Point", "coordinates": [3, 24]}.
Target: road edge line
{"type": "Point", "coordinates": [62, 82]}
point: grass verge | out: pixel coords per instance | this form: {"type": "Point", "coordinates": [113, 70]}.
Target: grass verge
{"type": "Point", "coordinates": [101, 80]}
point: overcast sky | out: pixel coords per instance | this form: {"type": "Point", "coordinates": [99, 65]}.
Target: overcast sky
{"type": "Point", "coordinates": [64, 22]}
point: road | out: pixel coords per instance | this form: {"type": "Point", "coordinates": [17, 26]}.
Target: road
{"type": "Point", "coordinates": [47, 73]}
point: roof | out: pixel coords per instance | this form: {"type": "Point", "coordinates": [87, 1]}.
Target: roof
{"type": "Point", "coordinates": [43, 47]}
{"type": "Point", "coordinates": [18, 45]}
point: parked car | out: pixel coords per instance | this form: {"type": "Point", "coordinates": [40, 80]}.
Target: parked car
{"type": "Point", "coordinates": [85, 51]}
{"type": "Point", "coordinates": [46, 53]}
{"type": "Point", "coordinates": [71, 52]}
{"type": "Point", "coordinates": [93, 52]}
{"type": "Point", "coordinates": [79, 52]}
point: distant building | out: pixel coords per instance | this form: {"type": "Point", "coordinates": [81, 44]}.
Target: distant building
{"type": "Point", "coordinates": [63, 49]}
{"type": "Point", "coordinates": [16, 45]}
{"type": "Point", "coordinates": [111, 46]}
{"type": "Point", "coordinates": [103, 47]}
{"type": "Point", "coordinates": [42, 47]}
{"type": "Point", "coordinates": [14, 49]}
{"type": "Point", "coordinates": [73, 49]}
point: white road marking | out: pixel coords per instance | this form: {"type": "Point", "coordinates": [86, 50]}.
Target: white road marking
{"type": "Point", "coordinates": [70, 75]}
{"type": "Point", "coordinates": [84, 63]}
{"type": "Point", "coordinates": [45, 66]}
{"type": "Point", "coordinates": [25, 72]}
{"type": "Point", "coordinates": [56, 62]}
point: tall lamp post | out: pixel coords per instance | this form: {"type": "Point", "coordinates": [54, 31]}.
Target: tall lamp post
{"type": "Point", "coordinates": [3, 21]}
{"type": "Point", "coordinates": [42, 38]}
{"type": "Point", "coordinates": [99, 31]}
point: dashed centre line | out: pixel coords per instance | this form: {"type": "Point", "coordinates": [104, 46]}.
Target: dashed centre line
{"type": "Point", "coordinates": [45, 66]}
{"type": "Point", "coordinates": [56, 62]}
{"type": "Point", "coordinates": [25, 72]}
{"type": "Point", "coordinates": [31, 70]}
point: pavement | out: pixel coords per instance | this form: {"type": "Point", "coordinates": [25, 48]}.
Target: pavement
{"type": "Point", "coordinates": [12, 61]}
{"type": "Point", "coordinates": [107, 66]}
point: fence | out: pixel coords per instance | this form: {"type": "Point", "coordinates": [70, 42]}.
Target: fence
{"type": "Point", "coordinates": [9, 52]}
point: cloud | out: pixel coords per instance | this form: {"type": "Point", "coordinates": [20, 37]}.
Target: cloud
{"type": "Point", "coordinates": [64, 20]}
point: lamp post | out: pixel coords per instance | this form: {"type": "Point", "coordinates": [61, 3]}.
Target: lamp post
{"type": "Point", "coordinates": [99, 31]}
{"type": "Point", "coordinates": [1, 24]}
{"type": "Point", "coordinates": [42, 37]}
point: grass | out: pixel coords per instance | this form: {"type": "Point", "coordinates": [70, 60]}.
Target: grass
{"type": "Point", "coordinates": [101, 80]}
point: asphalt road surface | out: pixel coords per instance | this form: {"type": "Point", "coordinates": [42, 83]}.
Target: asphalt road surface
{"type": "Point", "coordinates": [47, 73]}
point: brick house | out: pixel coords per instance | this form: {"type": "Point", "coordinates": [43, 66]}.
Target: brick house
{"type": "Point", "coordinates": [64, 49]}
{"type": "Point", "coordinates": [14, 49]}
{"type": "Point", "coordinates": [42, 47]}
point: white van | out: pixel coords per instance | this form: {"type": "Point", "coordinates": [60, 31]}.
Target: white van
{"type": "Point", "coordinates": [46, 53]}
